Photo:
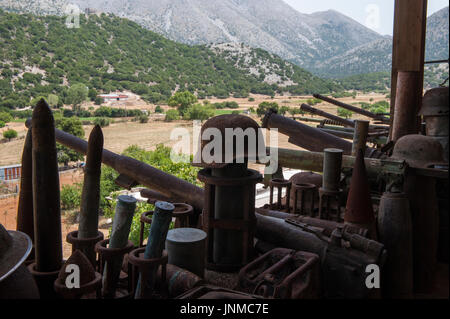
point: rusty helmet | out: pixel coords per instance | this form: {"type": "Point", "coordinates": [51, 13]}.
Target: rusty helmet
{"type": "Point", "coordinates": [419, 151]}
{"type": "Point", "coordinates": [435, 102]}
{"type": "Point", "coordinates": [222, 124]}
{"type": "Point", "coordinates": [15, 247]}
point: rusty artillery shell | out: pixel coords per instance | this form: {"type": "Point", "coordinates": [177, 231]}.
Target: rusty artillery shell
{"type": "Point", "coordinates": [395, 232]}
{"type": "Point", "coordinates": [46, 201]}
{"type": "Point", "coordinates": [25, 222]}
{"type": "Point", "coordinates": [359, 209]}
{"type": "Point", "coordinates": [90, 198]}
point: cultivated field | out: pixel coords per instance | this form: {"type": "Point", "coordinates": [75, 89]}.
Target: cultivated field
{"type": "Point", "coordinates": [118, 136]}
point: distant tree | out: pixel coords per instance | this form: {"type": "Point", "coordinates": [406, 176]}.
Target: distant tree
{"type": "Point", "coordinates": [72, 126]}
{"type": "Point", "coordinates": [92, 94]}
{"type": "Point", "coordinates": [10, 134]}
{"type": "Point", "coordinates": [52, 100]}
{"type": "Point", "coordinates": [101, 121]}
{"type": "Point", "coordinates": [283, 110]}
{"type": "Point", "coordinates": [76, 95]}
{"type": "Point", "coordinates": [98, 100]}
{"type": "Point", "coordinates": [266, 106]}
{"type": "Point", "coordinates": [158, 109]}
{"type": "Point", "coordinates": [199, 112]}
{"type": "Point", "coordinates": [5, 117]}
{"type": "Point", "coordinates": [142, 119]}
{"type": "Point", "coordinates": [182, 101]}
{"type": "Point", "coordinates": [344, 113]}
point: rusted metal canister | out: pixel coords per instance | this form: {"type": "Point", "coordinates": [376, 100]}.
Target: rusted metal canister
{"type": "Point", "coordinates": [395, 232]}
{"type": "Point", "coordinates": [332, 164]}
{"type": "Point", "coordinates": [186, 249]}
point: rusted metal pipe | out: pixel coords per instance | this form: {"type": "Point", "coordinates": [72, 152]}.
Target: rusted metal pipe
{"type": "Point", "coordinates": [360, 136]}
{"type": "Point", "coordinates": [303, 135]}
{"type": "Point", "coordinates": [352, 108]}
{"type": "Point", "coordinates": [312, 110]}
{"type": "Point", "coordinates": [25, 222]}
{"type": "Point", "coordinates": [407, 102]}
{"type": "Point", "coordinates": [143, 173]}
{"type": "Point", "coordinates": [90, 197]}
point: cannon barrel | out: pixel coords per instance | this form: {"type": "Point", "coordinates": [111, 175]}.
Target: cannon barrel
{"type": "Point", "coordinates": [142, 173]}
{"type": "Point", "coordinates": [305, 136]}
{"type": "Point", "coordinates": [352, 108]}
{"type": "Point", "coordinates": [312, 110]}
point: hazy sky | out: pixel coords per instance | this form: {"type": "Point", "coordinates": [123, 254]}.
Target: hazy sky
{"type": "Point", "coordinates": [375, 14]}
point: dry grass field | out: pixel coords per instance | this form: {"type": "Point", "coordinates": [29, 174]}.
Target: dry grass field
{"type": "Point", "coordinates": [118, 136]}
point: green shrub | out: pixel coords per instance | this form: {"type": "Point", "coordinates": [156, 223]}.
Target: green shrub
{"type": "Point", "coordinates": [158, 109]}
{"type": "Point", "coordinates": [2, 124]}
{"type": "Point", "coordinates": [5, 117]}
{"type": "Point", "coordinates": [252, 99]}
{"type": "Point", "coordinates": [160, 159]}
{"type": "Point", "coordinates": [9, 134]}
{"type": "Point", "coordinates": [71, 196]}
{"type": "Point", "coordinates": [172, 115]}
{"type": "Point", "coordinates": [199, 112]}
{"type": "Point", "coordinates": [101, 121]}
{"type": "Point", "coordinates": [142, 119]}
{"type": "Point", "coordinates": [266, 106]}
{"type": "Point", "coordinates": [344, 113]}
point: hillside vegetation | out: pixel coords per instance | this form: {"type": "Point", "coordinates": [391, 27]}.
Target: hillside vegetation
{"type": "Point", "coordinates": [41, 56]}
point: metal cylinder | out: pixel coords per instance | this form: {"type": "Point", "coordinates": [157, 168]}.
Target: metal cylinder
{"type": "Point", "coordinates": [123, 218]}
{"type": "Point", "coordinates": [332, 164]}
{"type": "Point", "coordinates": [407, 102]}
{"type": "Point", "coordinates": [162, 217]}
{"type": "Point", "coordinates": [228, 205]}
{"type": "Point", "coordinates": [186, 249]}
{"type": "Point", "coordinates": [360, 136]}
{"type": "Point", "coordinates": [395, 232]}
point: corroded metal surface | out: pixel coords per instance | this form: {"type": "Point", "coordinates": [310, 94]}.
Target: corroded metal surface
{"type": "Point", "coordinates": [359, 209]}
{"type": "Point", "coordinates": [25, 222]}
{"type": "Point", "coordinates": [282, 274]}
{"type": "Point", "coordinates": [334, 118]}
{"type": "Point", "coordinates": [303, 135]}
{"type": "Point", "coordinates": [352, 108]}
{"type": "Point", "coordinates": [407, 100]}
{"type": "Point", "coordinates": [90, 196]}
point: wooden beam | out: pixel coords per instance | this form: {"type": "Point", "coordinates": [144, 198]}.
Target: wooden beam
{"type": "Point", "coordinates": [408, 47]}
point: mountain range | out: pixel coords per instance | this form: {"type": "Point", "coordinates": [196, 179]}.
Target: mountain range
{"type": "Point", "coordinates": [326, 43]}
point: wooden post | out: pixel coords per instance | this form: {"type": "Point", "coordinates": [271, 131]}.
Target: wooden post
{"type": "Point", "coordinates": [408, 49]}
